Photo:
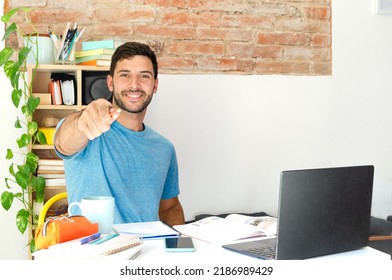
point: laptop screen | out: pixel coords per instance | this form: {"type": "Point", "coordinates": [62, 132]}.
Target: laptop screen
{"type": "Point", "coordinates": [323, 211]}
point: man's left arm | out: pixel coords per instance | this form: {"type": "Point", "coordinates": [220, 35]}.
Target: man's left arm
{"type": "Point", "coordinates": [171, 212]}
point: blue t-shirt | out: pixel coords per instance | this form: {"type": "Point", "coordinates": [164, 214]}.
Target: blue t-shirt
{"type": "Point", "coordinates": [137, 168]}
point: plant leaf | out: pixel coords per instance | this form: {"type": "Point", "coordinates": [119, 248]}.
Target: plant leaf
{"type": "Point", "coordinates": [32, 127]}
{"type": "Point", "coordinates": [11, 170]}
{"type": "Point", "coordinates": [6, 199]}
{"type": "Point", "coordinates": [16, 96]}
{"type": "Point", "coordinates": [26, 111]}
{"type": "Point", "coordinates": [5, 55]}
{"type": "Point", "coordinates": [32, 103]}
{"type": "Point", "coordinates": [7, 17]}
{"type": "Point", "coordinates": [23, 141]}
{"type": "Point", "coordinates": [22, 179]}
{"type": "Point", "coordinates": [10, 29]}
{"type": "Point", "coordinates": [38, 183]}
{"type": "Point", "coordinates": [12, 71]}
{"type": "Point", "coordinates": [17, 123]}
{"type": "Point", "coordinates": [25, 169]}
{"type": "Point", "coordinates": [41, 137]}
{"type": "Point", "coordinates": [9, 154]}
{"type": "Point", "coordinates": [23, 54]}
{"type": "Point", "coordinates": [32, 161]}
{"type": "Point", "coordinates": [33, 248]}
{"type": "Point", "coordinates": [22, 220]}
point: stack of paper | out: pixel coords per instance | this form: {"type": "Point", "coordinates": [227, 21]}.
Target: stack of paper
{"type": "Point", "coordinates": [146, 230]}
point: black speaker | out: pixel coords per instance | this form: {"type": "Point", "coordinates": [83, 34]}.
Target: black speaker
{"type": "Point", "coordinates": [95, 86]}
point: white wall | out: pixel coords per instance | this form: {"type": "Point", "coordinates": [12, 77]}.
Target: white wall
{"type": "Point", "coordinates": [235, 134]}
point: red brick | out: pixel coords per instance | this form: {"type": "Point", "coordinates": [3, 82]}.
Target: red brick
{"type": "Point", "coordinates": [323, 40]}
{"type": "Point", "coordinates": [318, 13]}
{"type": "Point", "coordinates": [167, 3]}
{"type": "Point", "coordinates": [201, 48]}
{"type": "Point", "coordinates": [225, 65]}
{"type": "Point", "coordinates": [283, 39]}
{"type": "Point", "coordinates": [231, 35]}
{"type": "Point", "coordinates": [192, 19]}
{"type": "Point", "coordinates": [124, 16]}
{"type": "Point", "coordinates": [153, 31]}
{"type": "Point", "coordinates": [289, 67]}
{"type": "Point", "coordinates": [176, 63]}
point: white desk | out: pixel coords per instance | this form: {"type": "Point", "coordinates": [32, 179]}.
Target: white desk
{"type": "Point", "coordinates": [154, 250]}
{"type": "Point", "coordinates": [212, 259]}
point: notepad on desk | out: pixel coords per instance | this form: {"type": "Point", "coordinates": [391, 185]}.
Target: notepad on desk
{"type": "Point", "coordinates": [147, 230]}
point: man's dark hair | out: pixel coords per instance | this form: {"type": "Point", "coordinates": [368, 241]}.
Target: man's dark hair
{"type": "Point", "coordinates": [130, 49]}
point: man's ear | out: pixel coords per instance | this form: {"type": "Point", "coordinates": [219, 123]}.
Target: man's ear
{"type": "Point", "coordinates": [109, 81]}
{"type": "Point", "coordinates": [155, 86]}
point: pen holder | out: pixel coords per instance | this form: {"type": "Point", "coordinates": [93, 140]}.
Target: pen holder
{"type": "Point", "coordinates": [65, 56]}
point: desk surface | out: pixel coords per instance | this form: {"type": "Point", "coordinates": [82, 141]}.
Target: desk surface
{"type": "Point", "coordinates": [155, 250]}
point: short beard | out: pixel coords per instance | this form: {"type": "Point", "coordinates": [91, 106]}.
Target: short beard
{"type": "Point", "coordinates": [118, 102]}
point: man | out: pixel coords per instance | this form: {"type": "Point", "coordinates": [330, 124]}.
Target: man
{"type": "Point", "coordinates": [108, 150]}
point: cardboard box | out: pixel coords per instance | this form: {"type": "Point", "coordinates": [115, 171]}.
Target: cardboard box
{"type": "Point", "coordinates": [45, 98]}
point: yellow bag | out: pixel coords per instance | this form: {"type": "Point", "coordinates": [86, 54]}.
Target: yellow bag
{"type": "Point", "coordinates": [61, 229]}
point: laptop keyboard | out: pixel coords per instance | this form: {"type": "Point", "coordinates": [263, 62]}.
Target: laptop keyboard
{"type": "Point", "coordinates": [265, 251]}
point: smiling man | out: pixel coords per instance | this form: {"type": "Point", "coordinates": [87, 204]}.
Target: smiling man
{"type": "Point", "coordinates": [108, 150]}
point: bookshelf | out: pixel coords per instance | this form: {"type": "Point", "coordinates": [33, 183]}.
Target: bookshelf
{"type": "Point", "coordinates": [40, 87]}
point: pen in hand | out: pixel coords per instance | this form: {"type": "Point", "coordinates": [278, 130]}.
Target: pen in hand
{"type": "Point", "coordinates": [90, 238]}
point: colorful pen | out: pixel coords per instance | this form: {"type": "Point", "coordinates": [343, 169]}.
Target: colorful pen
{"type": "Point", "coordinates": [104, 239]}
{"type": "Point", "coordinates": [90, 238]}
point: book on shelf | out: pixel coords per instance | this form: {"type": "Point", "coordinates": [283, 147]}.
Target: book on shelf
{"type": "Point", "coordinates": [52, 175]}
{"type": "Point", "coordinates": [98, 44]}
{"type": "Point", "coordinates": [55, 91]}
{"type": "Point", "coordinates": [121, 247]}
{"type": "Point", "coordinates": [68, 92]}
{"type": "Point", "coordinates": [50, 169]}
{"type": "Point", "coordinates": [96, 62]}
{"type": "Point", "coordinates": [43, 161]}
{"type": "Point", "coordinates": [93, 57]}
{"type": "Point", "coordinates": [93, 52]}
{"type": "Point", "coordinates": [233, 227]}
{"type": "Point", "coordinates": [55, 182]}
{"type": "Point", "coordinates": [42, 171]}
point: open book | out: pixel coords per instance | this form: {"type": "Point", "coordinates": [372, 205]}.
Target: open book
{"type": "Point", "coordinates": [234, 227]}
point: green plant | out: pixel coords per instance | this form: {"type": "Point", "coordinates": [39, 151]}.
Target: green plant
{"type": "Point", "coordinates": [23, 184]}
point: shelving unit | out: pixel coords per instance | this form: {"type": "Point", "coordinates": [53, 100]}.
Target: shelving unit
{"type": "Point", "coordinates": [42, 77]}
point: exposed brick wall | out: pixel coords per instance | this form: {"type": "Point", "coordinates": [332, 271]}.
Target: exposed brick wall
{"type": "Point", "coordinates": [290, 37]}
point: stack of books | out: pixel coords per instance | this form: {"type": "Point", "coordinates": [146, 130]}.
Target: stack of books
{"type": "Point", "coordinates": [62, 89]}
{"type": "Point", "coordinates": [95, 53]}
{"type": "Point", "coordinates": [53, 172]}
{"type": "Point", "coordinates": [63, 92]}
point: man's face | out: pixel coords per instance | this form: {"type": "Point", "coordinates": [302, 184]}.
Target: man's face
{"type": "Point", "coordinates": [133, 84]}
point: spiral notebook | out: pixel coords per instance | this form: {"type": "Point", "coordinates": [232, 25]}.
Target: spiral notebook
{"type": "Point", "coordinates": [121, 247]}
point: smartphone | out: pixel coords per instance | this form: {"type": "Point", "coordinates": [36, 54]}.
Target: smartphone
{"type": "Point", "coordinates": [179, 244]}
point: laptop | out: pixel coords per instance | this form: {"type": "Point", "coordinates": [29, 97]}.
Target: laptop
{"type": "Point", "coordinates": [321, 211]}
